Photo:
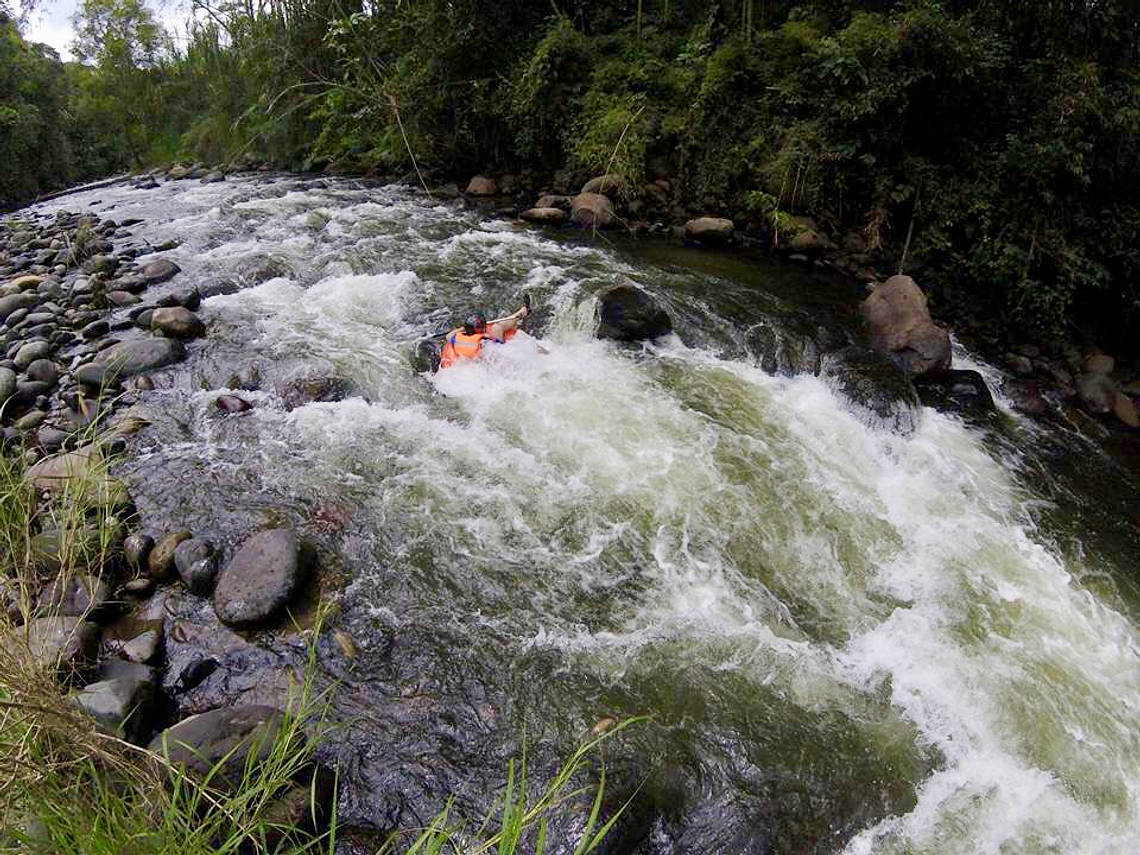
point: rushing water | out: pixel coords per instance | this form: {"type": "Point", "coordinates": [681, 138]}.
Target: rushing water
{"type": "Point", "coordinates": [847, 639]}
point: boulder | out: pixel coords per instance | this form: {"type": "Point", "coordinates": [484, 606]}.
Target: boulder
{"type": "Point", "coordinates": [234, 737]}
{"type": "Point", "coordinates": [64, 645]}
{"type": "Point", "coordinates": [607, 185]}
{"type": "Point", "coordinates": [591, 211]}
{"type": "Point", "coordinates": [544, 216]}
{"type": "Point", "coordinates": [122, 298]}
{"type": "Point", "coordinates": [1125, 410]}
{"type": "Point", "coordinates": [712, 230]}
{"type": "Point", "coordinates": [177, 322]}
{"type": "Point", "coordinates": [31, 352]}
{"type": "Point", "coordinates": [213, 177]}
{"type": "Point", "coordinates": [880, 393]}
{"type": "Point", "coordinates": [1025, 397]}
{"type": "Point", "coordinates": [901, 326]}
{"type": "Point", "coordinates": [232, 404]}
{"type": "Point", "coordinates": [307, 390]}
{"type": "Point", "coordinates": [626, 313]}
{"type": "Point", "coordinates": [159, 270]}
{"type": "Point", "coordinates": [160, 562]}
{"type": "Point", "coordinates": [1097, 393]}
{"type": "Point", "coordinates": [262, 578]}
{"type": "Point", "coordinates": [482, 186]}
{"type": "Point", "coordinates": [128, 358]}
{"type": "Point", "coordinates": [550, 200]}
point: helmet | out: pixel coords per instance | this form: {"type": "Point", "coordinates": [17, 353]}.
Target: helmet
{"type": "Point", "coordinates": [475, 323]}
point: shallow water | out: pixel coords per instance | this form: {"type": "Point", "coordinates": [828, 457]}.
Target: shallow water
{"type": "Point", "coordinates": [848, 640]}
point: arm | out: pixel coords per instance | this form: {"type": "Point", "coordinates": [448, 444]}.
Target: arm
{"type": "Point", "coordinates": [500, 326]}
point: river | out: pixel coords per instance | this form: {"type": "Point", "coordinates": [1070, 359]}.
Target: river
{"type": "Point", "coordinates": [847, 639]}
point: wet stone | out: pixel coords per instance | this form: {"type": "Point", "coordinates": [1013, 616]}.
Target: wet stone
{"type": "Point", "coordinates": [263, 577]}
{"type": "Point", "coordinates": [196, 565]}
{"type": "Point", "coordinates": [160, 270]}
{"type": "Point", "coordinates": [43, 370]}
{"type": "Point", "coordinates": [160, 562]}
{"type": "Point", "coordinates": [136, 550]}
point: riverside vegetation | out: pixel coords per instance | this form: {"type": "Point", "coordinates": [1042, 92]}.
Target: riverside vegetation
{"type": "Point", "coordinates": [992, 146]}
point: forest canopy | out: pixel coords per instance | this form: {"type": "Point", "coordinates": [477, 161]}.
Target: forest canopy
{"type": "Point", "coordinates": [1004, 135]}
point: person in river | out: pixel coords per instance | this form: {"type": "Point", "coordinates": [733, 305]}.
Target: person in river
{"type": "Point", "coordinates": [466, 342]}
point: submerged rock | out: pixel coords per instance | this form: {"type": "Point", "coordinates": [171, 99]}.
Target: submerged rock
{"type": "Point", "coordinates": [307, 390]}
{"type": "Point", "coordinates": [880, 393]}
{"type": "Point", "coordinates": [262, 578]}
{"type": "Point", "coordinates": [963, 392]}
{"type": "Point", "coordinates": [626, 313]}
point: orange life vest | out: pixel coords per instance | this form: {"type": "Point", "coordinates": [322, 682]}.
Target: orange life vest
{"type": "Point", "coordinates": [459, 345]}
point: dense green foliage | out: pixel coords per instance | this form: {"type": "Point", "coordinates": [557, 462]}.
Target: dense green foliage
{"type": "Point", "coordinates": [1007, 132]}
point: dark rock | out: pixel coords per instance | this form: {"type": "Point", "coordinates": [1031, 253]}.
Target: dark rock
{"type": "Point", "coordinates": [262, 578]}
{"type": "Point", "coordinates": [52, 440]}
{"type": "Point", "coordinates": [160, 561]}
{"type": "Point", "coordinates": [1019, 364]}
{"type": "Point", "coordinates": [95, 329]}
{"type": "Point", "coordinates": [232, 404]}
{"type": "Point", "coordinates": [224, 742]}
{"type": "Point", "coordinates": [901, 326]}
{"type": "Point", "coordinates": [11, 303]}
{"type": "Point", "coordinates": [962, 392]}
{"type": "Point", "coordinates": [101, 264]}
{"type": "Point", "coordinates": [308, 390]}
{"type": "Point", "coordinates": [627, 313]}
{"type": "Point", "coordinates": [1025, 397]}
{"type": "Point", "coordinates": [196, 565]}
{"type": "Point", "coordinates": [122, 298]}
{"type": "Point", "coordinates": [44, 371]}
{"type": "Point", "coordinates": [30, 352]}
{"type": "Point", "coordinates": [177, 322]}
{"type": "Point", "coordinates": [158, 271]}
{"type": "Point", "coordinates": [878, 390]}
{"type": "Point", "coordinates": [7, 384]}
{"type": "Point", "coordinates": [214, 177]}
{"type": "Point", "coordinates": [144, 318]}
{"type": "Point", "coordinates": [785, 349]}
{"type": "Point", "coordinates": [30, 421]}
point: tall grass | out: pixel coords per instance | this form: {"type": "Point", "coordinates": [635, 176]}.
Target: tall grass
{"type": "Point", "coordinates": [68, 787]}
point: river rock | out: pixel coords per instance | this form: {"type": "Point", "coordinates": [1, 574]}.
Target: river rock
{"type": "Point", "coordinates": [227, 736]}
{"type": "Point", "coordinates": [137, 637]}
{"type": "Point", "coordinates": [95, 330]}
{"type": "Point", "coordinates": [806, 237]}
{"type": "Point", "coordinates": [607, 185]}
{"type": "Point", "coordinates": [591, 210]}
{"type": "Point", "coordinates": [158, 271]}
{"type": "Point", "coordinates": [122, 701]}
{"type": "Point", "coordinates": [30, 352]}
{"type": "Point", "coordinates": [81, 595]}
{"type": "Point", "coordinates": [262, 578]}
{"type": "Point", "coordinates": [106, 264]}
{"type": "Point", "coordinates": [544, 216]}
{"type": "Point", "coordinates": [82, 474]}
{"type": "Point", "coordinates": [30, 421]}
{"type": "Point", "coordinates": [1125, 410]}
{"type": "Point", "coordinates": [712, 230]}
{"type": "Point", "coordinates": [28, 282]}
{"type": "Point", "coordinates": [901, 325]}
{"type": "Point", "coordinates": [551, 200]}
{"type": "Point", "coordinates": [627, 313]}
{"type": "Point", "coordinates": [43, 370]}
{"type": "Point", "coordinates": [177, 322]}
{"type": "Point", "coordinates": [213, 177]}
{"type": "Point", "coordinates": [177, 173]}
{"type": "Point", "coordinates": [879, 391]}
{"type": "Point", "coordinates": [65, 646]}
{"type": "Point", "coordinates": [196, 565]}
{"type": "Point", "coordinates": [7, 384]}
{"type": "Point", "coordinates": [1097, 392]}
{"type": "Point", "coordinates": [307, 390]}
{"type": "Point", "coordinates": [123, 298]}
{"type": "Point", "coordinates": [232, 404]}
{"type": "Point", "coordinates": [1026, 397]}
{"type": "Point", "coordinates": [482, 186]}
{"type": "Point", "coordinates": [128, 358]}
{"type": "Point", "coordinates": [160, 562]}
{"type": "Point", "coordinates": [11, 303]}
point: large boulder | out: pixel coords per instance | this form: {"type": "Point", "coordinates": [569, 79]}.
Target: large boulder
{"type": "Point", "coordinates": [626, 313]}
{"type": "Point", "coordinates": [901, 326]}
{"type": "Point", "coordinates": [607, 185]}
{"type": "Point", "coordinates": [544, 216]}
{"type": "Point", "coordinates": [962, 392]}
{"type": "Point", "coordinates": [65, 646]}
{"type": "Point", "coordinates": [879, 392]}
{"type": "Point", "coordinates": [480, 185]}
{"type": "Point", "coordinates": [591, 210]}
{"type": "Point", "coordinates": [264, 576]}
{"type": "Point", "coordinates": [129, 358]}
{"type": "Point", "coordinates": [225, 742]}
{"type": "Point", "coordinates": [715, 230]}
